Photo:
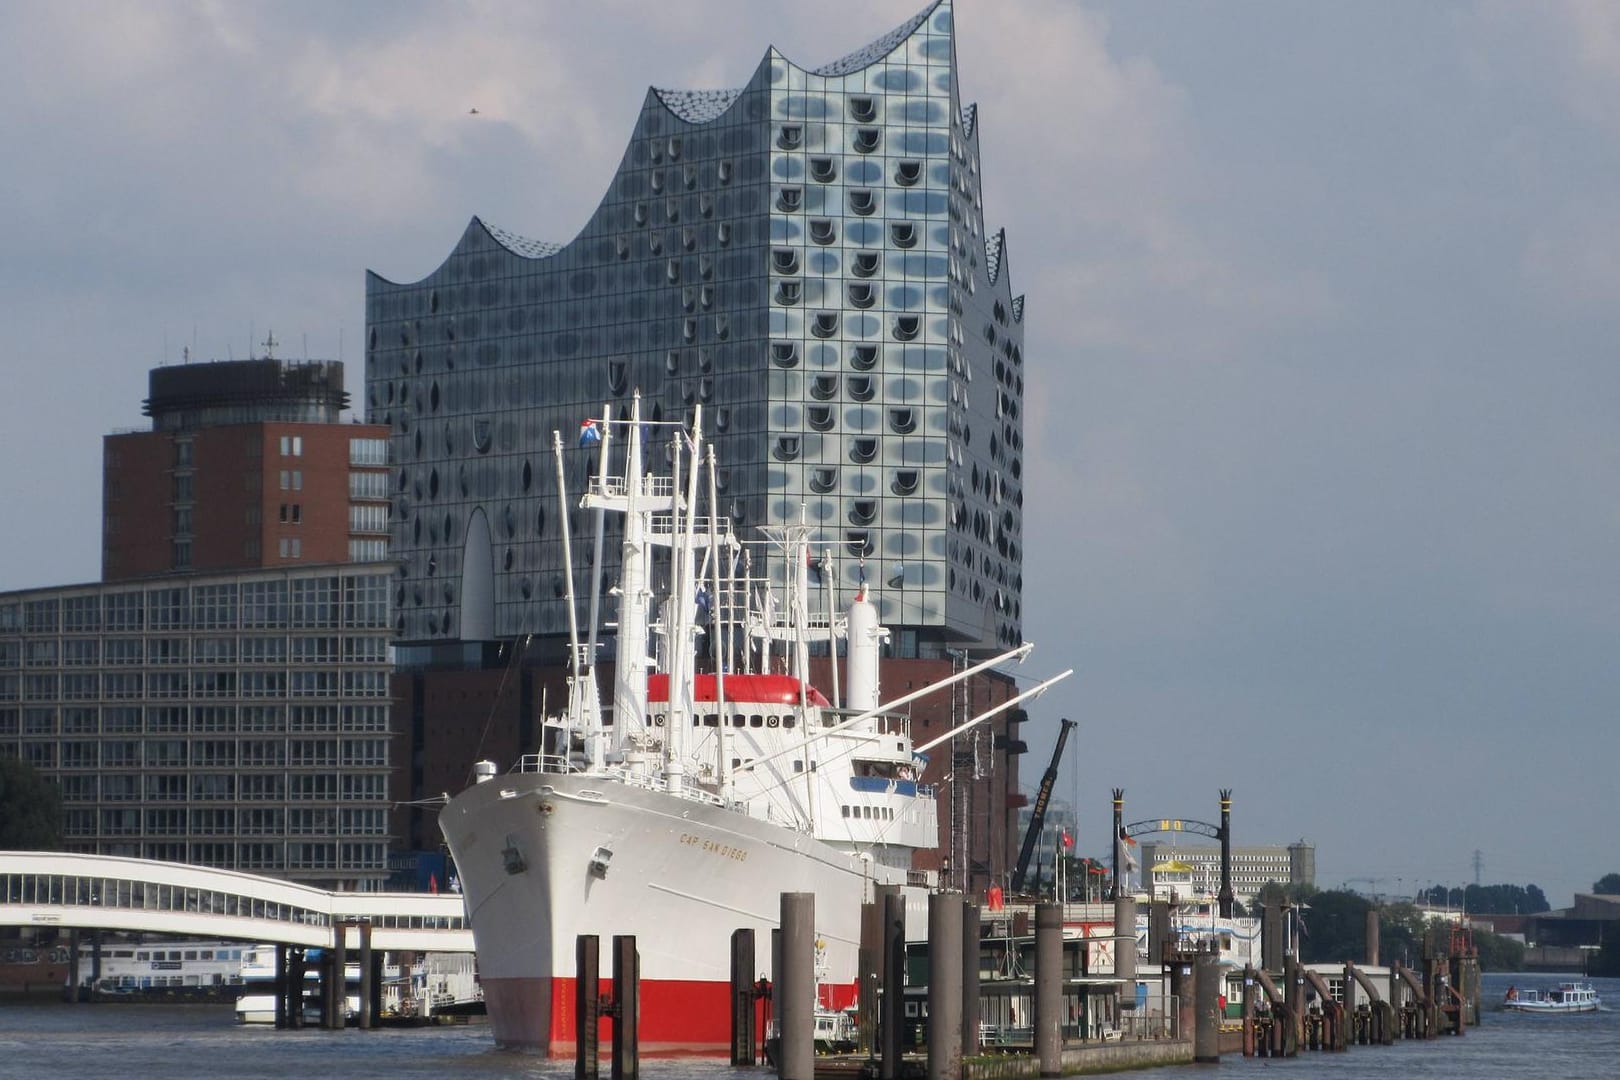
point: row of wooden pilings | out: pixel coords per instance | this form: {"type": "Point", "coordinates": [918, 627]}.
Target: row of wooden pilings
{"type": "Point", "coordinates": [1441, 998]}
{"type": "Point", "coordinates": [292, 967]}
{"type": "Point", "coordinates": [953, 989]}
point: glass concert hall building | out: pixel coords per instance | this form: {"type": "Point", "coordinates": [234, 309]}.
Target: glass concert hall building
{"type": "Point", "coordinates": [806, 257]}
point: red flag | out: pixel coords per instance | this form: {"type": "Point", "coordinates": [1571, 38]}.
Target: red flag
{"type": "Point", "coordinates": [433, 884]}
{"type": "Point", "coordinates": [1068, 841]}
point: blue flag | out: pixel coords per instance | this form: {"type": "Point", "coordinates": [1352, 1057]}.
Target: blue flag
{"type": "Point", "coordinates": [589, 433]}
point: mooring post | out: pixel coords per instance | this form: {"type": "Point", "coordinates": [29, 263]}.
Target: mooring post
{"type": "Point", "coordinates": [587, 1006]}
{"type": "Point", "coordinates": [377, 986]}
{"type": "Point", "coordinates": [296, 963]}
{"type": "Point", "coordinates": [1372, 937]}
{"type": "Point", "coordinates": [1048, 1032]}
{"type": "Point", "coordinates": [894, 982]}
{"type": "Point", "coordinates": [970, 978]}
{"type": "Point", "coordinates": [1207, 992]}
{"type": "Point", "coordinates": [73, 966]}
{"type": "Point", "coordinates": [742, 997]}
{"type": "Point", "coordinates": [1349, 1013]}
{"type": "Point", "coordinates": [626, 1008]}
{"type": "Point", "coordinates": [796, 988]}
{"type": "Point", "coordinates": [338, 998]}
{"type": "Point", "coordinates": [281, 986]}
{"type": "Point", "coordinates": [1396, 1011]}
{"type": "Point", "coordinates": [944, 986]}
{"type": "Point", "coordinates": [367, 977]}
{"type": "Point", "coordinates": [867, 959]}
{"type": "Point", "coordinates": [1295, 992]}
{"type": "Point", "coordinates": [1271, 937]}
{"type": "Point", "coordinates": [1125, 949]}
{"type": "Point", "coordinates": [1119, 841]}
{"type": "Point", "coordinates": [1158, 931]}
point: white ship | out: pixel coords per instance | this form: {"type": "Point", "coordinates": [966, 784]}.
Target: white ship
{"type": "Point", "coordinates": [683, 812]}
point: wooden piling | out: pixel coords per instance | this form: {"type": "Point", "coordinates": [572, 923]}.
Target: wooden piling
{"type": "Point", "coordinates": [796, 985]}
{"type": "Point", "coordinates": [587, 1006]}
{"type": "Point", "coordinates": [945, 985]}
{"type": "Point", "coordinates": [970, 978]}
{"type": "Point", "coordinates": [894, 982]}
{"type": "Point", "coordinates": [627, 1008]}
{"type": "Point", "coordinates": [1207, 992]}
{"type": "Point", "coordinates": [1048, 1032]}
{"type": "Point", "coordinates": [743, 1035]}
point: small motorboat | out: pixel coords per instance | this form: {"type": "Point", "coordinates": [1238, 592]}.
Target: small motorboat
{"type": "Point", "coordinates": [1570, 997]}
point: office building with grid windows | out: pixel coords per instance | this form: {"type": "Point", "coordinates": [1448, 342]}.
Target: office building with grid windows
{"type": "Point", "coordinates": [804, 256]}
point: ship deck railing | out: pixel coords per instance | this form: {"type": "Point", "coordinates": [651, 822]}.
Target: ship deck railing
{"type": "Point", "coordinates": [556, 763]}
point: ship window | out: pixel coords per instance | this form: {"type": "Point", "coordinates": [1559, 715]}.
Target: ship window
{"type": "Point", "coordinates": [711, 720]}
{"type": "Point", "coordinates": [798, 766]}
{"type": "Point", "coordinates": [756, 720]}
{"type": "Point", "coordinates": [739, 720]}
{"type": "Point", "coordinates": [845, 809]}
{"type": "Point", "coordinates": [789, 721]}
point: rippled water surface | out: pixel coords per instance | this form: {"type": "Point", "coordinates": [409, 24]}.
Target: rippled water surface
{"type": "Point", "coordinates": [44, 1042]}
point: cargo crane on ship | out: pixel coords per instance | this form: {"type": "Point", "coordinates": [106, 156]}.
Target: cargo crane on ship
{"type": "Point", "coordinates": [1037, 816]}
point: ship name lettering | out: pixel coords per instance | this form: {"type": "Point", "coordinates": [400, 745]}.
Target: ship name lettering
{"type": "Point", "coordinates": [725, 851]}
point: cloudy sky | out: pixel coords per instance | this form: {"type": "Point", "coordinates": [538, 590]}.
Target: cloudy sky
{"type": "Point", "coordinates": [1323, 501]}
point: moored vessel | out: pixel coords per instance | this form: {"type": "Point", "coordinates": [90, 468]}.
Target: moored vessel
{"type": "Point", "coordinates": [1567, 997]}
{"type": "Point", "coordinates": [683, 811]}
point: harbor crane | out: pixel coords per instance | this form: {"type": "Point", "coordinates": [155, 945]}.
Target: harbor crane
{"type": "Point", "coordinates": [1037, 816]}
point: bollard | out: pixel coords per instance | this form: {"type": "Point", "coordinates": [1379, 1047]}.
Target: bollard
{"type": "Point", "coordinates": [796, 988]}
{"type": "Point", "coordinates": [742, 997]}
{"type": "Point", "coordinates": [894, 982]}
{"type": "Point", "coordinates": [626, 1008]}
{"type": "Point", "coordinates": [281, 986]}
{"type": "Point", "coordinates": [1125, 949]}
{"type": "Point", "coordinates": [944, 986]}
{"type": "Point", "coordinates": [970, 978]}
{"type": "Point", "coordinates": [1207, 990]}
{"type": "Point", "coordinates": [338, 989]}
{"type": "Point", "coordinates": [1048, 1032]}
{"type": "Point", "coordinates": [367, 985]}
{"type": "Point", "coordinates": [587, 1006]}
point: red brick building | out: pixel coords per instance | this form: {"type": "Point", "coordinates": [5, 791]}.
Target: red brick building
{"type": "Point", "coordinates": [246, 466]}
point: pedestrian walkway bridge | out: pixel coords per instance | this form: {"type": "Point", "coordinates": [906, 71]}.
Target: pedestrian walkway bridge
{"type": "Point", "coordinates": [105, 892]}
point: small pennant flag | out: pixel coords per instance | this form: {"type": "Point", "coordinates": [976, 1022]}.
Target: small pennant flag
{"type": "Point", "coordinates": [589, 433]}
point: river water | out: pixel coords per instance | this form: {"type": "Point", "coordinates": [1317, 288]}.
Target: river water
{"type": "Point", "coordinates": [49, 1041]}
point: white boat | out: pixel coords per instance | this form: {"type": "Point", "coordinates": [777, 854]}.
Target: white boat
{"type": "Point", "coordinates": [256, 1004]}
{"type": "Point", "coordinates": [162, 968]}
{"type": "Point", "coordinates": [682, 813]}
{"type": "Point", "coordinates": [1569, 997]}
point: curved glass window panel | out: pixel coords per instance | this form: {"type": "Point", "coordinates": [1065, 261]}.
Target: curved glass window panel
{"type": "Point", "coordinates": [790, 136]}
{"type": "Point", "coordinates": [618, 376]}
{"type": "Point", "coordinates": [788, 292]}
{"type": "Point", "coordinates": [862, 202]}
{"type": "Point", "coordinates": [906, 327]}
{"type": "Point", "coordinates": [825, 324]}
{"type": "Point", "coordinates": [861, 387]}
{"type": "Point", "coordinates": [907, 173]}
{"type": "Point", "coordinates": [867, 139]}
{"type": "Point", "coordinates": [785, 353]}
{"type": "Point", "coordinates": [863, 109]}
{"type": "Point", "coordinates": [824, 387]}
{"type": "Point", "coordinates": [787, 447]}
{"type": "Point", "coordinates": [822, 231]}
{"type": "Point", "coordinates": [820, 417]}
{"type": "Point", "coordinates": [722, 233]}
{"type": "Point", "coordinates": [823, 479]}
{"type": "Point", "coordinates": [903, 421]}
{"type": "Point", "coordinates": [823, 170]}
{"type": "Point", "coordinates": [784, 260]}
{"type": "Point", "coordinates": [903, 234]}
{"type": "Point", "coordinates": [860, 542]}
{"type": "Point", "coordinates": [904, 482]}
{"type": "Point", "coordinates": [723, 171]}
{"type": "Point", "coordinates": [863, 511]}
{"type": "Point", "coordinates": [863, 357]}
{"type": "Point", "coordinates": [863, 451]}
{"type": "Point", "coordinates": [789, 199]}
{"type": "Point", "coordinates": [862, 294]}
{"type": "Point", "coordinates": [867, 263]}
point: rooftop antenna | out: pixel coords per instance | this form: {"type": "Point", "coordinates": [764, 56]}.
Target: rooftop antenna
{"type": "Point", "coordinates": [270, 344]}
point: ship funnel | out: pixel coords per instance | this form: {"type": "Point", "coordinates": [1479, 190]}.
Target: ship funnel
{"type": "Point", "coordinates": [483, 772]}
{"type": "Point", "coordinates": [865, 646]}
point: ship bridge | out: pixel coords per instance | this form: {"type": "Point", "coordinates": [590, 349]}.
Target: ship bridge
{"type": "Point", "coordinates": [105, 892]}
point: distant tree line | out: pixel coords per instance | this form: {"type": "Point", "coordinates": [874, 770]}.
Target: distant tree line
{"type": "Point", "coordinates": [30, 808]}
{"type": "Point", "coordinates": [1333, 929]}
{"type": "Point", "coordinates": [1488, 899]}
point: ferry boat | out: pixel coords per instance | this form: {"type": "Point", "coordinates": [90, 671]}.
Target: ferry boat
{"type": "Point", "coordinates": [680, 814]}
{"type": "Point", "coordinates": [1569, 997]}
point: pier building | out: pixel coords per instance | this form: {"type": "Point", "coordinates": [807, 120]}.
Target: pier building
{"type": "Point", "coordinates": [1253, 865]}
